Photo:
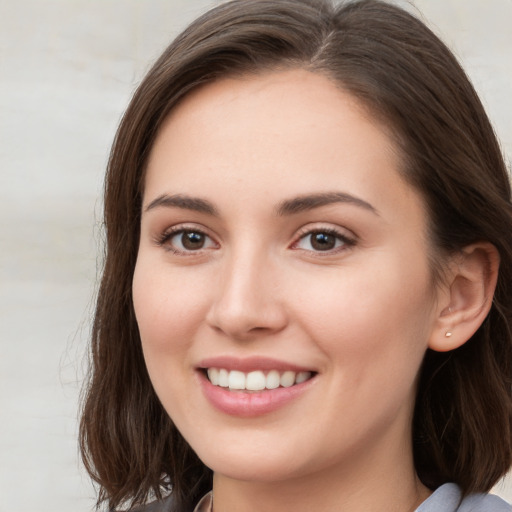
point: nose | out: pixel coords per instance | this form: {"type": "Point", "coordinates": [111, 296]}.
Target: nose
{"type": "Point", "coordinates": [248, 302]}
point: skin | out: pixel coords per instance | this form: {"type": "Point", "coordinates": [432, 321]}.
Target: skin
{"type": "Point", "coordinates": [361, 315]}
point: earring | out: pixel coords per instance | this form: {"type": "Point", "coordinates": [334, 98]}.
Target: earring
{"type": "Point", "coordinates": [448, 334]}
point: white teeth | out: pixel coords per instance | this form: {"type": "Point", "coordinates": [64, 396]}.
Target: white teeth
{"type": "Point", "coordinates": [213, 375]}
{"type": "Point", "coordinates": [256, 380]}
{"type": "Point", "coordinates": [236, 380]}
{"type": "Point", "coordinates": [287, 379]}
{"type": "Point", "coordinates": [302, 377]}
{"type": "Point", "coordinates": [273, 379]}
{"type": "Point", "coordinates": [223, 378]}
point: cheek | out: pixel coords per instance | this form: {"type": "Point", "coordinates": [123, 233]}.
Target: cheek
{"type": "Point", "coordinates": [370, 315]}
{"type": "Point", "coordinates": [374, 335]}
{"type": "Point", "coordinates": [168, 307]}
{"type": "Point", "coordinates": [169, 310]}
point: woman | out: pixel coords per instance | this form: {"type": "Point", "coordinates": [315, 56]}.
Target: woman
{"type": "Point", "coordinates": [306, 298]}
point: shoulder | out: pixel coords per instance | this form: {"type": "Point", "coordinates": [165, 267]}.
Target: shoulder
{"type": "Point", "coordinates": [484, 503]}
{"type": "Point", "coordinates": [447, 498]}
{"type": "Point", "coordinates": [164, 505]}
{"type": "Point", "coordinates": [169, 505]}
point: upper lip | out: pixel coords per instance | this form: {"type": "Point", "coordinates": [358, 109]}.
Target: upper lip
{"type": "Point", "coordinates": [249, 364]}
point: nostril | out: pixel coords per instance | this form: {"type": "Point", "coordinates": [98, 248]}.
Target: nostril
{"type": "Point", "coordinates": [258, 329]}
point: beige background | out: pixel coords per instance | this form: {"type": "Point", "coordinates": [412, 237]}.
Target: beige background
{"type": "Point", "coordinates": [67, 70]}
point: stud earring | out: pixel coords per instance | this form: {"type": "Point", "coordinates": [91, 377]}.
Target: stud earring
{"type": "Point", "coordinates": [448, 334]}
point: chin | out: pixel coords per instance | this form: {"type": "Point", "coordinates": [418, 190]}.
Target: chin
{"type": "Point", "coordinates": [254, 467]}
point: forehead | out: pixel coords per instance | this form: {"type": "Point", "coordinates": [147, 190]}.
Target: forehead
{"type": "Point", "coordinates": [268, 133]}
{"type": "Point", "coordinates": [288, 102]}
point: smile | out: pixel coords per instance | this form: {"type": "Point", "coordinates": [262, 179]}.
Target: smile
{"type": "Point", "coordinates": [253, 386]}
{"type": "Point", "coordinates": [256, 380]}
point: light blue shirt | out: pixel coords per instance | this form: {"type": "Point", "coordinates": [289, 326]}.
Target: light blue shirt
{"type": "Point", "coordinates": [447, 499]}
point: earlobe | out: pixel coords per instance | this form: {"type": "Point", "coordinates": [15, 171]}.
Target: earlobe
{"type": "Point", "coordinates": [472, 281]}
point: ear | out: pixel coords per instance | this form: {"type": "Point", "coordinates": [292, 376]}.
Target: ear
{"type": "Point", "coordinates": [472, 280]}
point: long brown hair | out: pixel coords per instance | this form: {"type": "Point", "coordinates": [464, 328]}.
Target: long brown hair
{"type": "Point", "coordinates": [407, 77]}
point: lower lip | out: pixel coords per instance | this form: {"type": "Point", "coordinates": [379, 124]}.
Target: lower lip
{"type": "Point", "coordinates": [254, 403]}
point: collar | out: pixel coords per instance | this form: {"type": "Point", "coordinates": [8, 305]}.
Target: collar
{"type": "Point", "coordinates": [205, 505]}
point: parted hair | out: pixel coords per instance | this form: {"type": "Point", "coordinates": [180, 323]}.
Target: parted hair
{"type": "Point", "coordinates": [400, 70]}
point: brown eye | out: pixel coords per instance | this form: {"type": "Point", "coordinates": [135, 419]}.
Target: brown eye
{"type": "Point", "coordinates": [187, 240]}
{"type": "Point", "coordinates": [192, 240]}
{"type": "Point", "coordinates": [322, 241]}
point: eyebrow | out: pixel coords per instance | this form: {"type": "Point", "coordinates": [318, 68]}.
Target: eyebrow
{"type": "Point", "coordinates": [288, 207]}
{"type": "Point", "coordinates": [185, 202]}
{"type": "Point", "coordinates": [311, 201]}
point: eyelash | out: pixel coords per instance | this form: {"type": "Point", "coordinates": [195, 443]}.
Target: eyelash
{"type": "Point", "coordinates": [164, 239]}
{"type": "Point", "coordinates": [347, 242]}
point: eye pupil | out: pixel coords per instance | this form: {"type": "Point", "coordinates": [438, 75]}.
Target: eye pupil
{"type": "Point", "coordinates": [192, 240]}
{"type": "Point", "coordinates": [323, 241]}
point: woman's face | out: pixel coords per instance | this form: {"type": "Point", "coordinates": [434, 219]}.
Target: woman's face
{"type": "Point", "coordinates": [281, 251]}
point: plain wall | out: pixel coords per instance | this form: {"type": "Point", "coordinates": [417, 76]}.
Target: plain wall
{"type": "Point", "coordinates": [67, 71]}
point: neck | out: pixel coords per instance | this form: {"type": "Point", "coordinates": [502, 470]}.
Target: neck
{"type": "Point", "coordinates": [303, 496]}
{"type": "Point", "coordinates": [382, 482]}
